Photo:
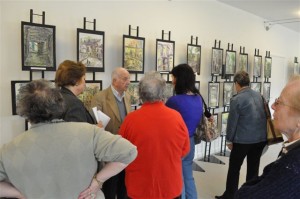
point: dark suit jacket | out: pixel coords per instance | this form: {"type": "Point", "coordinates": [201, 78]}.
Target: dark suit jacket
{"type": "Point", "coordinates": [106, 102]}
{"type": "Point", "coordinates": [75, 110]}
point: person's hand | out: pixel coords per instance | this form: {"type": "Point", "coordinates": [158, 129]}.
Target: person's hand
{"type": "Point", "coordinates": [100, 125]}
{"type": "Point", "coordinates": [91, 191]}
{"type": "Point", "coordinates": [229, 146]}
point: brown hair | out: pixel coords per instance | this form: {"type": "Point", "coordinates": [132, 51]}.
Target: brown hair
{"type": "Point", "coordinates": [69, 72]}
{"type": "Point", "coordinates": [242, 78]}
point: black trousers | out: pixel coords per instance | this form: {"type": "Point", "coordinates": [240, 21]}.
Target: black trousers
{"type": "Point", "coordinates": [239, 152]}
{"type": "Point", "coordinates": [115, 186]}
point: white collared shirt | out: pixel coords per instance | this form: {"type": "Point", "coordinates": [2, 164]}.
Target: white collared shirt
{"type": "Point", "coordinates": [117, 95]}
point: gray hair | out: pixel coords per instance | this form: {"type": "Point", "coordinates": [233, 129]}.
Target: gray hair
{"type": "Point", "coordinates": [38, 101]}
{"type": "Point", "coordinates": [152, 87]}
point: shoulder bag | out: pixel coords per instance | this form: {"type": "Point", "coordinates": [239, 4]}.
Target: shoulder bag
{"type": "Point", "coordinates": [206, 130]}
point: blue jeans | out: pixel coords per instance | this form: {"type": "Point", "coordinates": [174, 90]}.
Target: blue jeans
{"type": "Point", "coordinates": [189, 188]}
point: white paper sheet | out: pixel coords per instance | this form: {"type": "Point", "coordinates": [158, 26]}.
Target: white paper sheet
{"type": "Point", "coordinates": [100, 116]}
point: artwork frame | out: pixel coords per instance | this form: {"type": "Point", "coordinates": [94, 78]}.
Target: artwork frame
{"type": "Point", "coordinates": [267, 91]}
{"type": "Point", "coordinates": [133, 90]}
{"type": "Point", "coordinates": [213, 94]}
{"type": "Point", "coordinates": [165, 53]}
{"type": "Point", "coordinates": [296, 68]}
{"type": "Point", "coordinates": [197, 85]}
{"type": "Point", "coordinates": [134, 53]}
{"type": "Point", "coordinates": [224, 119]}
{"type": "Point", "coordinates": [228, 92]}
{"type": "Point", "coordinates": [268, 67]}
{"type": "Point", "coordinates": [216, 61]}
{"type": "Point", "coordinates": [38, 47]}
{"type": "Point", "coordinates": [256, 86]}
{"type": "Point", "coordinates": [15, 86]}
{"type": "Point", "coordinates": [230, 64]}
{"type": "Point", "coordinates": [91, 49]}
{"type": "Point", "coordinates": [257, 66]}
{"type": "Point", "coordinates": [91, 88]}
{"type": "Point", "coordinates": [169, 92]}
{"type": "Point", "coordinates": [194, 57]}
{"type": "Point", "coordinates": [243, 63]}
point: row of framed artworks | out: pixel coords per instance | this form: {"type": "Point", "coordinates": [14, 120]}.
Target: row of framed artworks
{"type": "Point", "coordinates": [38, 53]}
{"type": "Point", "coordinates": [229, 91]}
{"type": "Point", "coordinates": [92, 87]}
{"type": "Point", "coordinates": [230, 67]}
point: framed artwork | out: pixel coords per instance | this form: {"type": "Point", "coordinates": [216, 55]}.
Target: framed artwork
{"type": "Point", "coordinates": [133, 53]}
{"type": "Point", "coordinates": [228, 91]}
{"type": "Point", "coordinates": [133, 90]}
{"type": "Point", "coordinates": [91, 88]}
{"type": "Point", "coordinates": [267, 91]}
{"type": "Point", "coordinates": [216, 61]}
{"type": "Point", "coordinates": [90, 49]}
{"type": "Point", "coordinates": [194, 57]}
{"type": "Point", "coordinates": [296, 68]}
{"type": "Point", "coordinates": [224, 119]}
{"type": "Point", "coordinates": [197, 85]}
{"type": "Point", "coordinates": [243, 63]}
{"type": "Point", "coordinates": [230, 66]}
{"type": "Point", "coordinates": [165, 51]}
{"type": "Point", "coordinates": [38, 46]}
{"type": "Point", "coordinates": [15, 88]}
{"type": "Point", "coordinates": [257, 66]}
{"type": "Point", "coordinates": [268, 67]}
{"type": "Point", "coordinates": [169, 90]}
{"type": "Point", "coordinates": [213, 94]}
{"type": "Point", "coordinates": [256, 86]}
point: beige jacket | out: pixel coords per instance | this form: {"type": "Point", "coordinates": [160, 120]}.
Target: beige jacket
{"type": "Point", "coordinates": [106, 102]}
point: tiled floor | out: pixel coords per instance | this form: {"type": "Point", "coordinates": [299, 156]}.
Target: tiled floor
{"type": "Point", "coordinates": [212, 181]}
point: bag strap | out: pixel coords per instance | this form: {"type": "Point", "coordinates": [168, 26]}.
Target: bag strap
{"type": "Point", "coordinates": [206, 111]}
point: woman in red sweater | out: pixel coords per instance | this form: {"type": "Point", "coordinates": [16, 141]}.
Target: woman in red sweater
{"type": "Point", "coordinates": [161, 137]}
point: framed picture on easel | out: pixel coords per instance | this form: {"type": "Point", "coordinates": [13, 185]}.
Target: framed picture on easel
{"type": "Point", "coordinates": [38, 47]}
{"type": "Point", "coordinates": [194, 57]}
{"type": "Point", "coordinates": [165, 51]}
{"type": "Point", "coordinates": [91, 88]}
{"type": "Point", "coordinates": [243, 63]}
{"type": "Point", "coordinates": [216, 61]}
{"type": "Point", "coordinates": [257, 66]}
{"type": "Point", "coordinates": [230, 66]}
{"type": "Point", "coordinates": [133, 53]}
{"type": "Point", "coordinates": [90, 49]}
{"type": "Point", "coordinates": [213, 94]}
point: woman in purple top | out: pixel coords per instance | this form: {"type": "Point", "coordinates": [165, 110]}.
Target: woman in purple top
{"type": "Point", "coordinates": [188, 103]}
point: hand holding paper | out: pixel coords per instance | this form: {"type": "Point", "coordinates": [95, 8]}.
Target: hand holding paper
{"type": "Point", "coordinates": [100, 116]}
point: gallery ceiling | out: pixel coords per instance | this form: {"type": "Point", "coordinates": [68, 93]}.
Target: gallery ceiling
{"type": "Point", "coordinates": [275, 12]}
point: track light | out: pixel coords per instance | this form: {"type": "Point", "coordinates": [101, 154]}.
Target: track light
{"type": "Point", "coordinates": [269, 24]}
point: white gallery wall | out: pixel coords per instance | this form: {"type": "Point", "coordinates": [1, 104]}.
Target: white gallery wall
{"type": "Point", "coordinates": [208, 20]}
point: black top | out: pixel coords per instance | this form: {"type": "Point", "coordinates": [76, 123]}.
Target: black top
{"type": "Point", "coordinates": [75, 109]}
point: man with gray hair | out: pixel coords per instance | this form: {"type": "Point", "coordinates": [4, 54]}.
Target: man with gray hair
{"type": "Point", "coordinates": [114, 101]}
{"type": "Point", "coordinates": [161, 137]}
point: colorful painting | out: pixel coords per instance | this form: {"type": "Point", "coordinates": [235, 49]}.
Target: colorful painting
{"type": "Point", "coordinates": [217, 61]}
{"type": "Point", "coordinates": [133, 53]}
{"type": "Point", "coordinates": [165, 51]}
{"type": "Point", "coordinates": [194, 57]}
{"type": "Point", "coordinates": [90, 49]}
{"type": "Point", "coordinates": [92, 87]}
{"type": "Point", "coordinates": [38, 47]}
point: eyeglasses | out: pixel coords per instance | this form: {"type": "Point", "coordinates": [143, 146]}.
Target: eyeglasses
{"type": "Point", "coordinates": [279, 102]}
